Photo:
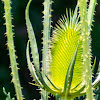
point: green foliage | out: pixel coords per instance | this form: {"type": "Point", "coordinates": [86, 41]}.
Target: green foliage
{"type": "Point", "coordinates": [7, 95]}
{"type": "Point", "coordinates": [66, 70]}
{"type": "Point", "coordinates": [46, 39]}
{"type": "Point", "coordinates": [32, 39]}
{"type": "Point", "coordinates": [67, 79]}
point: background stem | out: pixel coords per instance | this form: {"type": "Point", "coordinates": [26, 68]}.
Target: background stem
{"type": "Point", "coordinates": [10, 44]}
{"type": "Point", "coordinates": [64, 98]}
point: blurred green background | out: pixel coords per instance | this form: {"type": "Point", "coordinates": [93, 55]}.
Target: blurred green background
{"type": "Point", "coordinates": [18, 12]}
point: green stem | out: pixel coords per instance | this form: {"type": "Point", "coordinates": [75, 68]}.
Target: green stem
{"type": "Point", "coordinates": [44, 95]}
{"type": "Point", "coordinates": [46, 39]}
{"type": "Point", "coordinates": [85, 28]}
{"type": "Point", "coordinates": [10, 44]}
{"type": "Point", "coordinates": [64, 98]}
{"type": "Point", "coordinates": [56, 97]}
{"type": "Point", "coordinates": [46, 33]}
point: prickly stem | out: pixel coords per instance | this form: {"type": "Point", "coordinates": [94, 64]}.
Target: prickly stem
{"type": "Point", "coordinates": [46, 39]}
{"type": "Point", "coordinates": [85, 30]}
{"type": "Point", "coordinates": [10, 44]}
{"type": "Point", "coordinates": [64, 98]}
{"type": "Point", "coordinates": [46, 30]}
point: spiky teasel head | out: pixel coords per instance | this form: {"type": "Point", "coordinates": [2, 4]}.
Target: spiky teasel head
{"type": "Point", "coordinates": [64, 42]}
{"type": "Point", "coordinates": [66, 37]}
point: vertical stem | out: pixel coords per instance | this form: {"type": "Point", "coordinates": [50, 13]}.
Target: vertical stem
{"type": "Point", "coordinates": [56, 97]}
{"type": "Point", "coordinates": [10, 44]}
{"type": "Point", "coordinates": [64, 98]}
{"type": "Point", "coordinates": [46, 39]}
{"type": "Point", "coordinates": [44, 95]}
{"type": "Point", "coordinates": [85, 28]}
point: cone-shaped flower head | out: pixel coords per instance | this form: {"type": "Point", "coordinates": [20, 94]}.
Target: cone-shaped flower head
{"type": "Point", "coordinates": [65, 39]}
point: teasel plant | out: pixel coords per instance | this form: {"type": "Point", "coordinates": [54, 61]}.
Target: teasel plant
{"type": "Point", "coordinates": [66, 66]}
{"type": "Point", "coordinates": [66, 70]}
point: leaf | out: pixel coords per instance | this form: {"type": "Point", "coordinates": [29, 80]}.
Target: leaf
{"type": "Point", "coordinates": [93, 68]}
{"type": "Point", "coordinates": [31, 67]}
{"type": "Point", "coordinates": [51, 83]}
{"type": "Point", "coordinates": [96, 83]}
{"type": "Point", "coordinates": [32, 39]}
{"type": "Point", "coordinates": [91, 10]}
{"type": "Point", "coordinates": [69, 74]}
